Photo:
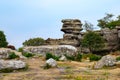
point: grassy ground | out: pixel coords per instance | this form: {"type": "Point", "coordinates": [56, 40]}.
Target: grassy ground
{"type": "Point", "coordinates": [69, 70]}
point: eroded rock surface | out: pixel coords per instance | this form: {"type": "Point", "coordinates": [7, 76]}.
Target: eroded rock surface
{"type": "Point", "coordinates": [57, 50]}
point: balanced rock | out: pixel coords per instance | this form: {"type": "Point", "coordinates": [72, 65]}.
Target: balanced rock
{"type": "Point", "coordinates": [12, 64]}
{"type": "Point", "coordinates": [105, 61]}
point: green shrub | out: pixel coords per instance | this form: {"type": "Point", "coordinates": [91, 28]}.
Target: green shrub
{"type": "Point", "coordinates": [12, 55]}
{"type": "Point", "coordinates": [78, 57]}
{"type": "Point", "coordinates": [20, 49]}
{"type": "Point", "coordinates": [7, 70]}
{"type": "Point", "coordinates": [70, 57]}
{"type": "Point", "coordinates": [50, 55]}
{"type": "Point", "coordinates": [27, 54]}
{"type": "Point", "coordinates": [118, 58]}
{"type": "Point", "coordinates": [94, 57]}
{"type": "Point", "coordinates": [34, 42]}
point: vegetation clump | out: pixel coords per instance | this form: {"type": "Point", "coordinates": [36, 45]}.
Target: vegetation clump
{"type": "Point", "coordinates": [50, 55]}
{"type": "Point", "coordinates": [93, 41]}
{"type": "Point", "coordinates": [34, 42]}
{"type": "Point", "coordinates": [12, 55]}
{"type": "Point", "coordinates": [28, 55]}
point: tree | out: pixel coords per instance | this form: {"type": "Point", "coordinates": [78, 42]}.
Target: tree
{"type": "Point", "coordinates": [88, 26]}
{"type": "Point", "coordinates": [108, 22]}
{"type": "Point", "coordinates": [92, 41]}
{"type": "Point", "coordinates": [34, 42]}
{"type": "Point", "coordinates": [105, 20]}
{"type": "Point", "coordinates": [3, 42]}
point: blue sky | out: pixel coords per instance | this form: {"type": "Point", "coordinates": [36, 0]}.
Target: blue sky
{"type": "Point", "coordinates": [24, 19]}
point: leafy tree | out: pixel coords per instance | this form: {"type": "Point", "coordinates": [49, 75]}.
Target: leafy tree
{"type": "Point", "coordinates": [3, 42]}
{"type": "Point", "coordinates": [93, 41]}
{"type": "Point", "coordinates": [34, 42]}
{"type": "Point", "coordinates": [108, 22]}
{"type": "Point", "coordinates": [88, 26]}
{"type": "Point", "coordinates": [105, 20]}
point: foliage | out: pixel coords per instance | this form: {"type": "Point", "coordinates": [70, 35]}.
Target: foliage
{"type": "Point", "coordinates": [27, 54]}
{"type": "Point", "coordinates": [20, 49]}
{"type": "Point", "coordinates": [118, 58]}
{"type": "Point", "coordinates": [11, 47]}
{"type": "Point", "coordinates": [12, 55]}
{"type": "Point", "coordinates": [7, 70]}
{"type": "Point", "coordinates": [93, 41]}
{"type": "Point", "coordinates": [72, 57]}
{"type": "Point", "coordinates": [77, 57]}
{"type": "Point", "coordinates": [94, 57]}
{"type": "Point", "coordinates": [34, 42]}
{"type": "Point", "coordinates": [50, 55]}
{"type": "Point", "coordinates": [88, 26]}
{"type": "Point", "coordinates": [3, 42]}
{"type": "Point", "coordinates": [108, 22]}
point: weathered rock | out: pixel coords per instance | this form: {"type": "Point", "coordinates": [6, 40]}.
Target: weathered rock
{"type": "Point", "coordinates": [105, 61]}
{"type": "Point", "coordinates": [111, 38]}
{"type": "Point", "coordinates": [57, 50]}
{"type": "Point", "coordinates": [4, 53]}
{"type": "Point", "coordinates": [12, 64]}
{"type": "Point", "coordinates": [63, 58]}
{"type": "Point", "coordinates": [51, 62]}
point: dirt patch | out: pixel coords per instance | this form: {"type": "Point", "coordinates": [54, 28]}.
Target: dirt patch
{"type": "Point", "coordinates": [69, 70]}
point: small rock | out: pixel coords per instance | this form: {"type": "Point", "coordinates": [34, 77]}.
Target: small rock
{"type": "Point", "coordinates": [63, 58]}
{"type": "Point", "coordinates": [51, 62]}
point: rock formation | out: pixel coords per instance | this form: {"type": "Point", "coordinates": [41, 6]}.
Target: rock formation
{"type": "Point", "coordinates": [57, 50]}
{"type": "Point", "coordinates": [72, 35]}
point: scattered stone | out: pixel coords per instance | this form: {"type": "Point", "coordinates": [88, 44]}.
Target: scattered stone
{"type": "Point", "coordinates": [107, 60]}
{"type": "Point", "coordinates": [51, 62]}
{"type": "Point", "coordinates": [12, 64]}
{"type": "Point", "coordinates": [63, 58]}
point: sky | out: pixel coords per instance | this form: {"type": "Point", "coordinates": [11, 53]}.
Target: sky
{"type": "Point", "coordinates": [24, 19]}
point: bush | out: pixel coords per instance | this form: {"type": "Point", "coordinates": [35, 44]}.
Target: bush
{"type": "Point", "coordinates": [12, 55]}
{"type": "Point", "coordinates": [20, 49]}
{"type": "Point", "coordinates": [118, 58]}
{"type": "Point", "coordinates": [94, 57]}
{"type": "Point", "coordinates": [78, 57]}
{"type": "Point", "coordinates": [70, 57]}
{"type": "Point", "coordinates": [50, 55]}
{"type": "Point", "coordinates": [34, 42]}
{"type": "Point", "coordinates": [7, 70]}
{"type": "Point", "coordinates": [27, 54]}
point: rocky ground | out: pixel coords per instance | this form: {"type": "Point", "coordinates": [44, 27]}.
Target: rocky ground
{"type": "Point", "coordinates": [68, 70]}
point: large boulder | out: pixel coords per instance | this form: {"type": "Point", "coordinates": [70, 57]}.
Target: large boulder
{"type": "Point", "coordinates": [107, 60]}
{"type": "Point", "coordinates": [57, 50]}
{"type": "Point", "coordinates": [12, 64]}
{"type": "Point", "coordinates": [51, 62]}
